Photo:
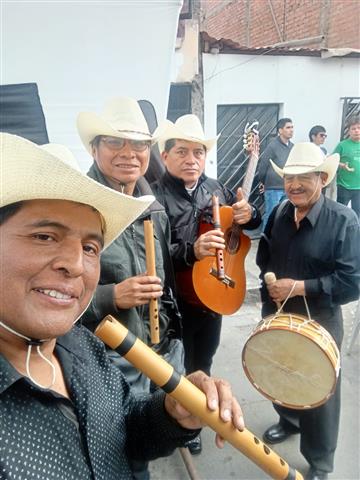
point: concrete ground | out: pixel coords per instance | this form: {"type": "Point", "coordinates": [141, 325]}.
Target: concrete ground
{"type": "Point", "coordinates": [230, 464]}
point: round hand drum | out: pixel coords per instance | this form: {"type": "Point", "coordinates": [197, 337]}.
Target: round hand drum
{"type": "Point", "coordinates": [292, 360]}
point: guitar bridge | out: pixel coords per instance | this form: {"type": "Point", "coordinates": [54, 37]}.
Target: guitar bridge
{"type": "Point", "coordinates": [226, 281]}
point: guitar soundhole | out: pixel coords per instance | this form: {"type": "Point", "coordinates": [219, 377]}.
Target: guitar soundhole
{"type": "Point", "coordinates": [232, 239]}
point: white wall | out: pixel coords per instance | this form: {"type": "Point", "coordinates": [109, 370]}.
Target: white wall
{"type": "Point", "coordinates": [308, 89]}
{"type": "Point", "coordinates": [80, 53]}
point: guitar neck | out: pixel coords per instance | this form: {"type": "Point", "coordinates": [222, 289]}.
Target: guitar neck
{"type": "Point", "coordinates": [249, 176]}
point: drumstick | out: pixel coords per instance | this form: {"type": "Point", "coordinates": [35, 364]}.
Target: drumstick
{"type": "Point", "coordinates": [217, 226]}
{"type": "Point", "coordinates": [151, 270]}
{"type": "Point", "coordinates": [116, 336]}
{"type": "Point", "coordinates": [270, 278]}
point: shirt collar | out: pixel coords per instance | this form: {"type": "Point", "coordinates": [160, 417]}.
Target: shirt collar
{"type": "Point", "coordinates": [313, 214]}
{"type": "Point", "coordinates": [8, 374]}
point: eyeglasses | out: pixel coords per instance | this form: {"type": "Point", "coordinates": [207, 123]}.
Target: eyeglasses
{"type": "Point", "coordinates": [322, 135]}
{"type": "Point", "coordinates": [116, 144]}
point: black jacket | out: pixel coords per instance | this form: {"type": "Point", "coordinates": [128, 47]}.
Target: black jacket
{"type": "Point", "coordinates": [186, 211]}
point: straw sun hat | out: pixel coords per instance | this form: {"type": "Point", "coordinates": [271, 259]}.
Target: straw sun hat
{"type": "Point", "coordinates": [30, 172]}
{"type": "Point", "coordinates": [187, 127]}
{"type": "Point", "coordinates": [307, 157]}
{"type": "Point", "coordinates": [121, 117]}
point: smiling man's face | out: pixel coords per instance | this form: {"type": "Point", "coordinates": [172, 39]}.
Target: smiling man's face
{"type": "Point", "coordinates": [50, 264]}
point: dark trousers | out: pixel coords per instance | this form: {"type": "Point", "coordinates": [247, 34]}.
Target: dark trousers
{"type": "Point", "coordinates": [201, 337]}
{"type": "Point", "coordinates": [319, 428]}
{"type": "Point", "coordinates": [345, 196]}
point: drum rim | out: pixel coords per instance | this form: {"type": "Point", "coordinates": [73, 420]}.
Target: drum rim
{"type": "Point", "coordinates": [332, 343]}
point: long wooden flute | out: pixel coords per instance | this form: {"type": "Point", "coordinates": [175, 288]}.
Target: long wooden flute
{"type": "Point", "coordinates": [217, 226]}
{"type": "Point", "coordinates": [151, 270]}
{"type": "Point", "coordinates": [191, 397]}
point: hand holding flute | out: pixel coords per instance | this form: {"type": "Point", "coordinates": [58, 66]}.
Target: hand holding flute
{"type": "Point", "coordinates": [195, 401]}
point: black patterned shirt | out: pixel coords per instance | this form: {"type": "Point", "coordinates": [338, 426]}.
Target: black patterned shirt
{"type": "Point", "coordinates": [44, 435]}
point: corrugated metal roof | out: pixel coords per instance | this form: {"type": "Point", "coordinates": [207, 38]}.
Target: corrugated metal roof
{"type": "Point", "coordinates": [226, 45]}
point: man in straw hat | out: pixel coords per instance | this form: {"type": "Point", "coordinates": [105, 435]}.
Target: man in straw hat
{"type": "Point", "coordinates": [66, 411]}
{"type": "Point", "coordinates": [311, 243]}
{"type": "Point", "coordinates": [119, 141]}
{"type": "Point", "coordinates": [186, 193]}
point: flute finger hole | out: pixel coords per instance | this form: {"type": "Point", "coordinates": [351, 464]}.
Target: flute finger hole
{"type": "Point", "coordinates": [267, 450]}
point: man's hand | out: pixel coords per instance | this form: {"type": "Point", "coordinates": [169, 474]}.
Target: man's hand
{"type": "Point", "coordinates": [207, 243]}
{"type": "Point", "coordinates": [138, 290]}
{"type": "Point", "coordinates": [242, 210]}
{"type": "Point", "coordinates": [280, 289]}
{"type": "Point", "coordinates": [218, 394]}
{"type": "Point", "coordinates": [345, 166]}
{"type": "Point", "coordinates": [261, 188]}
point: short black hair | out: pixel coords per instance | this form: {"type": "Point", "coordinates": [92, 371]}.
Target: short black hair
{"type": "Point", "coordinates": [170, 143]}
{"type": "Point", "coordinates": [282, 122]}
{"type": "Point", "coordinates": [95, 141]}
{"type": "Point", "coordinates": [9, 210]}
{"type": "Point", "coordinates": [315, 130]}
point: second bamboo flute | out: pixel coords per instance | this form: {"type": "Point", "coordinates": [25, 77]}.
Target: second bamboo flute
{"type": "Point", "coordinates": [151, 270]}
{"type": "Point", "coordinates": [217, 226]}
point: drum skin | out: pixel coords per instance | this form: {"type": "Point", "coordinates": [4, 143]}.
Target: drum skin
{"type": "Point", "coordinates": [292, 361]}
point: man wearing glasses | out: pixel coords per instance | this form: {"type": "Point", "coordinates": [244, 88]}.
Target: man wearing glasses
{"type": "Point", "coordinates": [119, 141]}
{"type": "Point", "coordinates": [317, 135]}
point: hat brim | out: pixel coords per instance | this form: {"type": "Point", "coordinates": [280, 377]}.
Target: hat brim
{"type": "Point", "coordinates": [329, 166]}
{"type": "Point", "coordinates": [30, 172]}
{"type": "Point", "coordinates": [168, 130]}
{"type": "Point", "coordinates": [90, 125]}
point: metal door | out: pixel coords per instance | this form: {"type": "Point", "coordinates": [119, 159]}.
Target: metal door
{"type": "Point", "coordinates": [231, 159]}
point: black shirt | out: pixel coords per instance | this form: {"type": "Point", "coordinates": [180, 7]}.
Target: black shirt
{"type": "Point", "coordinates": [324, 251]}
{"type": "Point", "coordinates": [46, 436]}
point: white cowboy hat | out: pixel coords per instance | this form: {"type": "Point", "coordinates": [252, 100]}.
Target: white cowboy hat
{"type": "Point", "coordinates": [307, 157]}
{"type": "Point", "coordinates": [121, 117]}
{"type": "Point", "coordinates": [187, 127]}
{"type": "Point", "coordinates": [30, 172]}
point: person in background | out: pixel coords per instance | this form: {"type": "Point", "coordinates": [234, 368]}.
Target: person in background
{"type": "Point", "coordinates": [66, 411]}
{"type": "Point", "coordinates": [317, 135]}
{"type": "Point", "coordinates": [348, 175]}
{"type": "Point", "coordinates": [186, 193]}
{"type": "Point", "coordinates": [119, 142]}
{"type": "Point", "coordinates": [278, 151]}
{"type": "Point", "coordinates": [312, 246]}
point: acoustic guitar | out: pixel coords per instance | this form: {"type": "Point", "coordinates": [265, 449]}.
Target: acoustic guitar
{"type": "Point", "coordinates": [223, 290]}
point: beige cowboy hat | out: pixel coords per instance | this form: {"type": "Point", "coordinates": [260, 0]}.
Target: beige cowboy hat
{"type": "Point", "coordinates": [30, 172]}
{"type": "Point", "coordinates": [121, 117]}
{"type": "Point", "coordinates": [187, 127]}
{"type": "Point", "coordinates": [307, 157]}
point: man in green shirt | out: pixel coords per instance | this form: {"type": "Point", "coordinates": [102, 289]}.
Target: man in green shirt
{"type": "Point", "coordinates": [348, 175]}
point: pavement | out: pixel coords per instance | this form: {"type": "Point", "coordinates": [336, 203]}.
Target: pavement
{"type": "Point", "coordinates": [230, 464]}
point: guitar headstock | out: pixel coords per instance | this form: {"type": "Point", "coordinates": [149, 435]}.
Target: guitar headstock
{"type": "Point", "coordinates": [251, 138]}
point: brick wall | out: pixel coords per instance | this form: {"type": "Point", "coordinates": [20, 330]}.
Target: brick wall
{"type": "Point", "coordinates": [257, 23]}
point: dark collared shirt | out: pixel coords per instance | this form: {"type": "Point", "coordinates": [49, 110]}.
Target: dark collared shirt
{"type": "Point", "coordinates": [46, 436]}
{"type": "Point", "coordinates": [324, 252]}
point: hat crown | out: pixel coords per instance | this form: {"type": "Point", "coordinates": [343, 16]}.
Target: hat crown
{"type": "Point", "coordinates": [191, 126]}
{"type": "Point", "coordinates": [305, 155]}
{"type": "Point", "coordinates": [125, 114]}
{"type": "Point", "coordinates": [61, 153]}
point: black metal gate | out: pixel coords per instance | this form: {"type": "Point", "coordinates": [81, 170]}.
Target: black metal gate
{"type": "Point", "coordinates": [231, 159]}
{"type": "Point", "coordinates": [351, 107]}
